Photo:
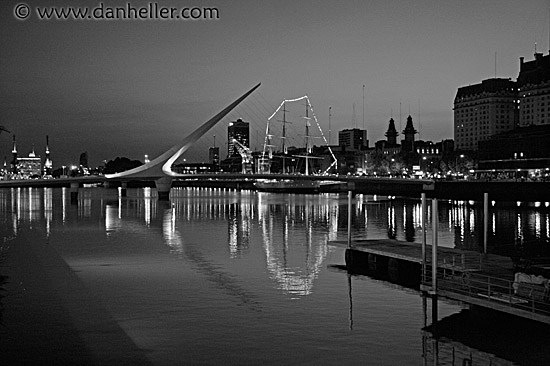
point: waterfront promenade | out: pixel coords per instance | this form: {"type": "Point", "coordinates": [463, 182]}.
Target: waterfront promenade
{"type": "Point", "coordinates": [50, 318]}
{"type": "Point", "coordinates": [459, 190]}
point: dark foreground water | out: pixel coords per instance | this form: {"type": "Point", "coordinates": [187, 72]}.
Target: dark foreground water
{"type": "Point", "coordinates": [243, 278]}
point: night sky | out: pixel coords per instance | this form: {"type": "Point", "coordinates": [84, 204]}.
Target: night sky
{"type": "Point", "coordinates": [134, 87]}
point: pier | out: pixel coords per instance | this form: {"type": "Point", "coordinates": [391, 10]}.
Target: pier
{"type": "Point", "coordinates": [485, 280]}
{"type": "Point", "coordinates": [476, 278]}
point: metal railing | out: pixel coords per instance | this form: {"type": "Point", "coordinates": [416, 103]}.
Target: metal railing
{"type": "Point", "coordinates": [530, 297]}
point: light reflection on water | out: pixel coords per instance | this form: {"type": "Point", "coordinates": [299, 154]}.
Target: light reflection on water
{"type": "Point", "coordinates": [242, 277]}
{"type": "Point", "coordinates": [461, 222]}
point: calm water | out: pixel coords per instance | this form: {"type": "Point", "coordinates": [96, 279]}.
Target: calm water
{"type": "Point", "coordinates": [244, 278]}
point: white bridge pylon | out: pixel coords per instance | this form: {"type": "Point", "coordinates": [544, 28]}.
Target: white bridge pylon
{"type": "Point", "coordinates": [160, 168]}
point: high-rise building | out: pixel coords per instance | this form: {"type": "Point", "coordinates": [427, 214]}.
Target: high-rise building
{"type": "Point", "coordinates": [353, 138]}
{"type": "Point", "coordinates": [214, 155]}
{"type": "Point", "coordinates": [237, 130]}
{"type": "Point", "coordinates": [534, 91]}
{"type": "Point", "coordinates": [483, 110]}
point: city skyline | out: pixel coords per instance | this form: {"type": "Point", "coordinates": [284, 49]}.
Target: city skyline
{"type": "Point", "coordinates": [135, 87]}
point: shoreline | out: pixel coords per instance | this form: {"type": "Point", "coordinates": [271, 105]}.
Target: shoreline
{"type": "Point", "coordinates": [501, 191]}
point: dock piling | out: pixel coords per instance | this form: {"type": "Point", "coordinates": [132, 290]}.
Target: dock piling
{"type": "Point", "coordinates": [350, 193]}
{"type": "Point", "coordinates": [485, 220]}
{"type": "Point", "coordinates": [423, 237]}
{"type": "Point", "coordinates": [435, 220]}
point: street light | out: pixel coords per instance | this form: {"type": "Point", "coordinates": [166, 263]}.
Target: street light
{"type": "Point", "coordinates": [461, 156]}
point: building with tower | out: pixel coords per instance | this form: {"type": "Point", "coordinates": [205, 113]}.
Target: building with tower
{"type": "Point", "coordinates": [13, 164]}
{"type": "Point", "coordinates": [48, 164]}
{"type": "Point", "coordinates": [391, 134]}
{"type": "Point", "coordinates": [390, 145]}
{"type": "Point", "coordinates": [408, 143]}
{"type": "Point", "coordinates": [237, 130]}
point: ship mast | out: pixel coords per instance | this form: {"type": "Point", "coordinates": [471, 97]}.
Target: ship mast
{"type": "Point", "coordinates": [283, 139]}
{"type": "Point", "coordinates": [307, 138]}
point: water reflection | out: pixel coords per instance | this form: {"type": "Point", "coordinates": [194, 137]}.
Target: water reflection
{"type": "Point", "coordinates": [392, 229]}
{"type": "Point", "coordinates": [294, 255]}
{"type": "Point", "coordinates": [171, 236]}
{"type": "Point", "coordinates": [191, 252]}
{"type": "Point", "coordinates": [485, 338]}
{"type": "Point", "coordinates": [471, 337]}
{"type": "Point", "coordinates": [238, 227]}
{"type": "Point", "coordinates": [257, 252]}
{"type": "Point", "coordinates": [294, 229]}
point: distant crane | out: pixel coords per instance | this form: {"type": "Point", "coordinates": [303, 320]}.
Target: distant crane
{"type": "Point", "coordinates": [246, 156]}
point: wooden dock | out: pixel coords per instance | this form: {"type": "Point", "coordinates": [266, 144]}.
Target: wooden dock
{"type": "Point", "coordinates": [448, 258]}
{"type": "Point", "coordinates": [479, 279]}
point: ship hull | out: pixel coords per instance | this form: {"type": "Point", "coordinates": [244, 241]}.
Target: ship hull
{"type": "Point", "coordinates": [288, 186]}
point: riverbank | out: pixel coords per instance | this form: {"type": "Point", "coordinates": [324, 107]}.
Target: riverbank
{"type": "Point", "coordinates": [49, 317]}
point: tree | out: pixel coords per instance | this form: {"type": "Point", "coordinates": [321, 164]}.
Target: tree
{"type": "Point", "coordinates": [120, 165]}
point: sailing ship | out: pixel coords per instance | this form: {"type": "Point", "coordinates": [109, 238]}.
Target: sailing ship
{"type": "Point", "coordinates": [289, 184]}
